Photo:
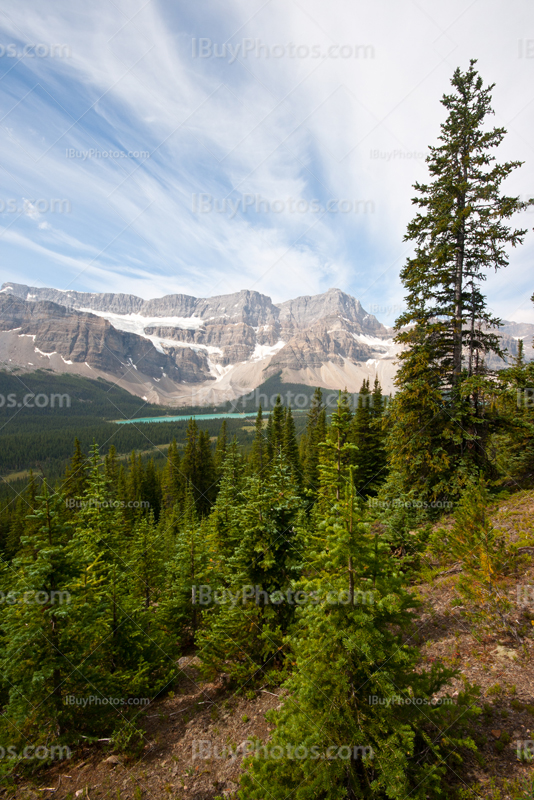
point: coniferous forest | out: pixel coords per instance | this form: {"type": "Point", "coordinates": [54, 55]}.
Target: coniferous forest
{"type": "Point", "coordinates": [293, 565]}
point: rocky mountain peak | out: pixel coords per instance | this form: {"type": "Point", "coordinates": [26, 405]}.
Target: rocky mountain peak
{"type": "Point", "coordinates": [302, 312]}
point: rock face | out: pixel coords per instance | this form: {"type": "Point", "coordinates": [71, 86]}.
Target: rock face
{"type": "Point", "coordinates": [249, 307]}
{"type": "Point", "coordinates": [303, 312]}
{"type": "Point", "coordinates": [180, 349]}
{"type": "Point", "coordinates": [84, 338]}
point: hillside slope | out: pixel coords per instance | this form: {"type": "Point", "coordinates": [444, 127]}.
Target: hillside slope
{"type": "Point", "coordinates": [194, 740]}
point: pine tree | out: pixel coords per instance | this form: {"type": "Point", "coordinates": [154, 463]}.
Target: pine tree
{"type": "Point", "coordinates": [190, 461]}
{"type": "Point", "coordinates": [207, 476]}
{"type": "Point", "coordinates": [185, 571]}
{"type": "Point", "coordinates": [275, 431]}
{"type": "Point", "coordinates": [171, 481]}
{"type": "Point", "coordinates": [440, 421]}
{"type": "Point", "coordinates": [315, 434]}
{"type": "Point", "coordinates": [111, 469]}
{"type": "Point", "coordinates": [290, 448]}
{"type": "Point", "coordinates": [361, 436]}
{"type": "Point", "coordinates": [259, 455]}
{"type": "Point", "coordinates": [339, 733]}
{"type": "Point", "coordinates": [134, 483]}
{"type": "Point", "coordinates": [243, 635]}
{"type": "Point", "coordinates": [151, 494]}
{"type": "Point", "coordinates": [221, 448]}
{"type": "Point", "coordinates": [336, 454]}
{"type": "Point", "coordinates": [198, 469]}
{"type": "Point", "coordinates": [377, 443]}
{"type": "Point", "coordinates": [36, 662]}
{"type": "Point", "coordinates": [225, 515]}
{"type": "Point", "coordinates": [482, 552]}
{"type": "Point", "coordinates": [146, 561]}
{"type": "Point", "coordinates": [20, 524]}
{"type": "Point", "coordinates": [269, 440]}
{"type": "Point", "coordinates": [117, 657]}
{"type": "Point", "coordinates": [75, 480]}
{"type": "Point", "coordinates": [368, 436]}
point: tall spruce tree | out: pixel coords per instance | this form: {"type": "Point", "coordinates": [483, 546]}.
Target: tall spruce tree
{"type": "Point", "coordinates": [208, 477]}
{"type": "Point", "coordinates": [339, 733]}
{"type": "Point", "coordinates": [361, 435]}
{"type": "Point", "coordinates": [290, 447]}
{"type": "Point", "coordinates": [368, 436]}
{"type": "Point", "coordinates": [315, 434]}
{"type": "Point", "coordinates": [258, 455]}
{"type": "Point", "coordinates": [75, 480]}
{"type": "Point", "coordinates": [185, 571]}
{"type": "Point", "coordinates": [225, 515]}
{"type": "Point", "coordinates": [36, 662]}
{"type": "Point", "coordinates": [221, 449]}
{"type": "Point", "coordinates": [171, 481]}
{"type": "Point", "coordinates": [244, 632]}
{"type": "Point", "coordinates": [275, 430]}
{"type": "Point", "coordinates": [440, 420]}
{"type": "Point", "coordinates": [116, 654]}
{"type": "Point", "coordinates": [337, 454]}
{"type": "Point", "coordinates": [513, 445]}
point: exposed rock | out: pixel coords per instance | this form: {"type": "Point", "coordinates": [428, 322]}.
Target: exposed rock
{"type": "Point", "coordinates": [313, 347]}
{"type": "Point", "coordinates": [303, 312]}
{"type": "Point", "coordinates": [88, 339]}
{"type": "Point", "coordinates": [204, 350]}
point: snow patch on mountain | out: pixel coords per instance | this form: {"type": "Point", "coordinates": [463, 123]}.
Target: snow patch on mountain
{"type": "Point", "coordinates": [262, 351]}
{"type": "Point", "coordinates": [135, 323]}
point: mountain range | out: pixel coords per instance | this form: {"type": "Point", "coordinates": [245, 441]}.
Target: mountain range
{"type": "Point", "coordinates": [183, 350]}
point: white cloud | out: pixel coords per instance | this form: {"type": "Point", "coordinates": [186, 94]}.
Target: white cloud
{"type": "Point", "coordinates": [279, 128]}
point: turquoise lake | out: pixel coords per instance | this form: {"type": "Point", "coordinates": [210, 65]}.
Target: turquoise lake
{"type": "Point", "coordinates": [186, 417]}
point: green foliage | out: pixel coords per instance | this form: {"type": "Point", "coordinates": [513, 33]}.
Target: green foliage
{"type": "Point", "coordinates": [441, 419]}
{"type": "Point", "coordinates": [244, 634]}
{"type": "Point", "coordinates": [485, 560]}
{"type": "Point", "coordinates": [35, 665]}
{"type": "Point", "coordinates": [368, 436]}
{"type": "Point", "coordinates": [129, 739]}
{"type": "Point", "coordinates": [347, 650]}
{"type": "Point", "coordinates": [309, 447]}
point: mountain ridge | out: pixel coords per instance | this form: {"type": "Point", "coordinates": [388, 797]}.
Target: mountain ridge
{"type": "Point", "coordinates": [183, 350]}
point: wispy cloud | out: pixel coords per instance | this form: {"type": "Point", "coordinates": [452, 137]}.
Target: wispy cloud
{"type": "Point", "coordinates": [298, 104]}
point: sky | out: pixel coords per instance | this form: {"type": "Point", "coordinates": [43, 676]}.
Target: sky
{"type": "Point", "coordinates": [205, 148]}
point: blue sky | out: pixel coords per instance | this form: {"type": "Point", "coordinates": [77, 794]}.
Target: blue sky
{"type": "Point", "coordinates": [269, 145]}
